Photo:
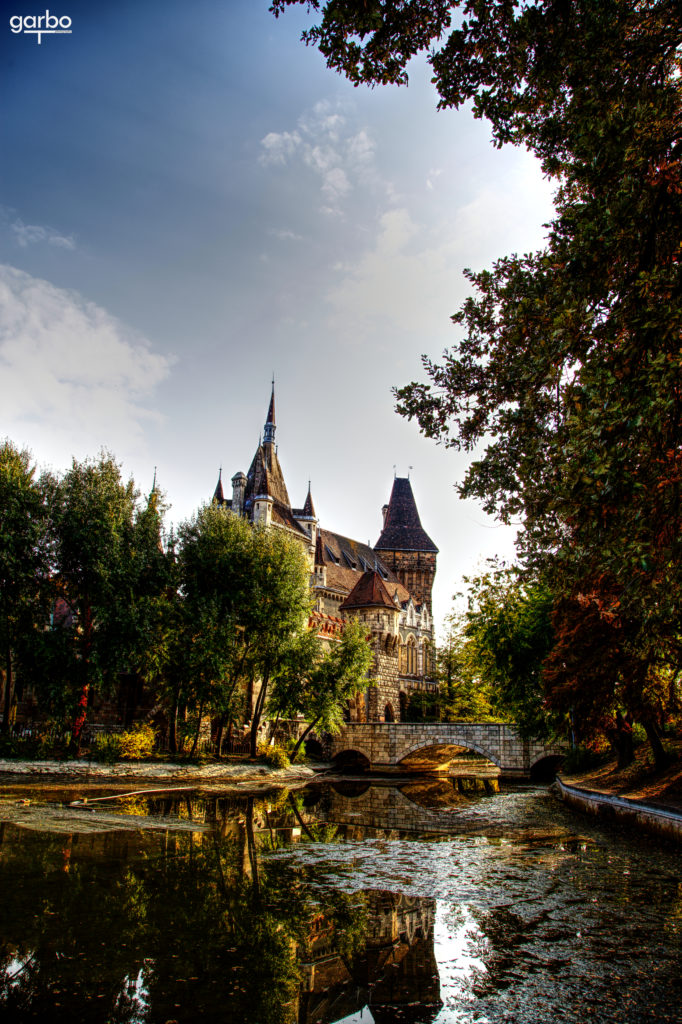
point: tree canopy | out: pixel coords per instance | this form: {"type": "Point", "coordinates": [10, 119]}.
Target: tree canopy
{"type": "Point", "coordinates": [564, 382]}
{"type": "Point", "coordinates": [24, 560]}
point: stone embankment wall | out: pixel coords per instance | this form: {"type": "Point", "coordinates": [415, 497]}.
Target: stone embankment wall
{"type": "Point", "coordinates": [654, 820]}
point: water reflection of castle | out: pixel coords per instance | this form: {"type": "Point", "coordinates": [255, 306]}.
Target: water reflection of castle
{"type": "Point", "coordinates": [396, 970]}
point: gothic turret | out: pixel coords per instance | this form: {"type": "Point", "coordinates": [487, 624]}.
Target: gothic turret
{"type": "Point", "coordinates": [405, 545]}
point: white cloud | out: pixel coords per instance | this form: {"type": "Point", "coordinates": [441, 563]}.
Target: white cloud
{"type": "Point", "coordinates": [279, 146]}
{"type": "Point", "coordinates": [286, 235]}
{"type": "Point", "coordinates": [73, 377]}
{"type": "Point", "coordinates": [410, 278]}
{"type": "Point", "coordinates": [322, 140]}
{"type": "Point", "coordinates": [336, 184]}
{"type": "Point", "coordinates": [29, 234]}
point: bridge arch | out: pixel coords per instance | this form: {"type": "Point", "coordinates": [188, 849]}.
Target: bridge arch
{"type": "Point", "coordinates": [353, 759]}
{"type": "Point", "coordinates": [545, 767]}
{"type": "Point", "coordinates": [457, 746]}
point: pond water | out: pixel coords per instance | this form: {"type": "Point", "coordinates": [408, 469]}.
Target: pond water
{"type": "Point", "coordinates": [430, 901]}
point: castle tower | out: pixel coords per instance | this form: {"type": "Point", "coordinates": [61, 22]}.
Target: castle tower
{"type": "Point", "coordinates": [405, 546]}
{"type": "Point", "coordinates": [370, 602]}
{"type": "Point", "coordinates": [238, 490]}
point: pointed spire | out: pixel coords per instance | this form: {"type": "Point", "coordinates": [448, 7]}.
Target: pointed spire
{"type": "Point", "coordinates": [269, 430]}
{"type": "Point", "coordinates": [309, 508]}
{"type": "Point", "coordinates": [218, 493]}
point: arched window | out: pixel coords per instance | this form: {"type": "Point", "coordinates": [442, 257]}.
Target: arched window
{"type": "Point", "coordinates": [388, 714]}
{"type": "Point", "coordinates": [411, 656]}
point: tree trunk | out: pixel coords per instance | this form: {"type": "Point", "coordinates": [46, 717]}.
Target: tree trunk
{"type": "Point", "coordinates": [173, 722]}
{"type": "Point", "coordinates": [299, 741]}
{"type": "Point", "coordinates": [82, 705]}
{"type": "Point", "coordinates": [80, 716]}
{"type": "Point", "coordinates": [219, 735]}
{"type": "Point", "coordinates": [196, 734]}
{"type": "Point", "coordinates": [257, 712]}
{"type": "Point", "coordinates": [8, 686]}
{"type": "Point", "coordinates": [621, 740]}
{"type": "Point", "coordinates": [661, 759]}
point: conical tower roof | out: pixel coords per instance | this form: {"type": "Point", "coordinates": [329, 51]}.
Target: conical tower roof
{"type": "Point", "coordinates": [308, 507]}
{"type": "Point", "coordinates": [403, 530]}
{"type": "Point", "coordinates": [218, 493]}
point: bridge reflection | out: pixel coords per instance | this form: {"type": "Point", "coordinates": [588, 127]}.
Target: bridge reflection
{"type": "Point", "coordinates": [418, 805]}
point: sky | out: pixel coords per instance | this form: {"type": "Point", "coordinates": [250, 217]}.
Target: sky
{"type": "Point", "coordinates": [191, 203]}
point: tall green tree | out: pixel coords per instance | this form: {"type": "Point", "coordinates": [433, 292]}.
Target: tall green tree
{"type": "Point", "coordinates": [24, 561]}
{"type": "Point", "coordinates": [317, 682]}
{"type": "Point", "coordinates": [246, 596]}
{"type": "Point", "coordinates": [507, 635]}
{"type": "Point", "coordinates": [216, 556]}
{"type": "Point", "coordinates": [94, 519]}
{"type": "Point", "coordinates": [278, 612]}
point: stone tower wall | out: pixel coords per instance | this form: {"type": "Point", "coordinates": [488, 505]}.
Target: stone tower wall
{"type": "Point", "coordinates": [416, 571]}
{"type": "Point", "coordinates": [385, 688]}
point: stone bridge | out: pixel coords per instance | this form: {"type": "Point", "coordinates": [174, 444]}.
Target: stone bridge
{"type": "Point", "coordinates": [395, 746]}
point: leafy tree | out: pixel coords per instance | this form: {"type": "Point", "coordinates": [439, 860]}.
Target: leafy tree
{"type": "Point", "coordinates": [246, 597]}
{"type": "Point", "coordinates": [94, 521]}
{"type": "Point", "coordinates": [318, 683]}
{"type": "Point", "coordinates": [24, 560]}
{"type": "Point", "coordinates": [507, 636]}
{"type": "Point", "coordinates": [215, 576]}
{"type": "Point", "coordinates": [277, 612]}
{"type": "Point", "coordinates": [596, 675]}
{"type": "Point", "coordinates": [566, 379]}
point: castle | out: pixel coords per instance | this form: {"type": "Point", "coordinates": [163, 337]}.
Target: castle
{"type": "Point", "coordinates": [388, 587]}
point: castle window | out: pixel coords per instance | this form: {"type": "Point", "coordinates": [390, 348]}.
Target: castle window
{"type": "Point", "coordinates": [331, 555]}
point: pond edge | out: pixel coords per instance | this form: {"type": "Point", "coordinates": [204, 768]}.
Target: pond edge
{"type": "Point", "coordinates": [653, 820]}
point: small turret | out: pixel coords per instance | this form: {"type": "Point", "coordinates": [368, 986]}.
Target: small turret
{"type": "Point", "coordinates": [238, 489]}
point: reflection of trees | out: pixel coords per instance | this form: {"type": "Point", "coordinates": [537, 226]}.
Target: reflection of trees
{"type": "Point", "coordinates": [140, 928]}
{"type": "Point", "coordinates": [173, 927]}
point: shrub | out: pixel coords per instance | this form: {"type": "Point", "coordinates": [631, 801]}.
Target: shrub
{"type": "Point", "coordinates": [275, 755]}
{"type": "Point", "coordinates": [106, 747]}
{"type": "Point", "coordinates": [132, 745]}
{"type": "Point", "coordinates": [137, 743]}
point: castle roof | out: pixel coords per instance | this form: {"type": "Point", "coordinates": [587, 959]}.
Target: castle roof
{"type": "Point", "coordinates": [308, 507]}
{"type": "Point", "coordinates": [403, 530]}
{"type": "Point", "coordinates": [265, 477]}
{"type": "Point", "coordinates": [345, 560]}
{"type": "Point", "coordinates": [369, 592]}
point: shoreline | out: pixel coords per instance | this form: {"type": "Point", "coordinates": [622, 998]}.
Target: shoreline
{"type": "Point", "coordinates": [637, 797]}
{"type": "Point", "coordinates": [153, 771]}
{"type": "Point", "coordinates": [654, 820]}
